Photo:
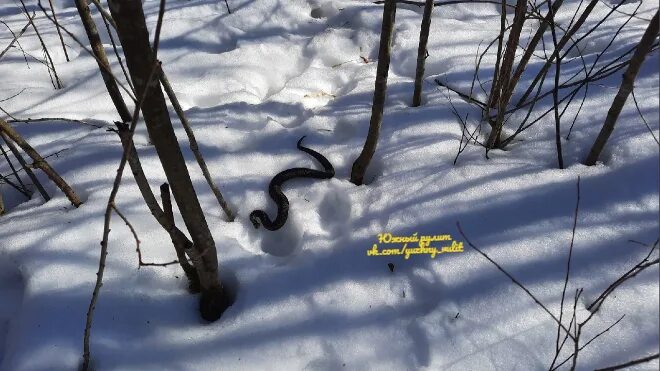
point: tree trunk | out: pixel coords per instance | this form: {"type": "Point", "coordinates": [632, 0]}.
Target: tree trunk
{"type": "Point", "coordinates": [422, 52]}
{"type": "Point", "coordinates": [560, 45]}
{"type": "Point", "coordinates": [39, 162]}
{"type": "Point", "coordinates": [163, 216]}
{"type": "Point", "coordinates": [505, 72]}
{"type": "Point", "coordinates": [531, 47]}
{"type": "Point", "coordinates": [643, 48]}
{"type": "Point", "coordinates": [179, 239]}
{"type": "Point", "coordinates": [361, 163]}
{"type": "Point", "coordinates": [132, 30]}
{"type": "Point", "coordinates": [102, 60]}
{"type": "Point", "coordinates": [493, 98]}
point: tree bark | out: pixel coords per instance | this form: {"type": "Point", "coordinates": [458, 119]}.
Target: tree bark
{"type": "Point", "coordinates": [195, 148]}
{"type": "Point", "coordinates": [25, 166]}
{"type": "Point", "coordinates": [132, 30]}
{"type": "Point", "coordinates": [102, 59]}
{"type": "Point", "coordinates": [361, 163]}
{"type": "Point", "coordinates": [422, 52]}
{"type": "Point", "coordinates": [505, 72]}
{"type": "Point", "coordinates": [163, 216]}
{"type": "Point", "coordinates": [493, 98]}
{"type": "Point", "coordinates": [643, 48]}
{"type": "Point", "coordinates": [179, 239]}
{"type": "Point", "coordinates": [40, 162]}
{"type": "Point", "coordinates": [531, 47]}
{"type": "Point", "coordinates": [560, 45]}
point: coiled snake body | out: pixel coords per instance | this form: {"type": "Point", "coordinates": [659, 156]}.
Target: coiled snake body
{"type": "Point", "coordinates": [258, 217]}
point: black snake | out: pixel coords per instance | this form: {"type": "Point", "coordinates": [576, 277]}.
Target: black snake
{"type": "Point", "coordinates": [275, 189]}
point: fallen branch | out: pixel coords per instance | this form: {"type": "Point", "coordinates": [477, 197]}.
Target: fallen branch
{"type": "Point", "coordinates": [44, 119]}
{"type": "Point", "coordinates": [40, 163]}
{"type": "Point", "coordinates": [25, 166]}
{"type": "Point", "coordinates": [22, 188]}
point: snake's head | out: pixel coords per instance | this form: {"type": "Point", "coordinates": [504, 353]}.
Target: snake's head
{"type": "Point", "coordinates": [255, 220]}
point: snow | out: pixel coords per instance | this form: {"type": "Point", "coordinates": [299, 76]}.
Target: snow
{"type": "Point", "coordinates": [307, 296]}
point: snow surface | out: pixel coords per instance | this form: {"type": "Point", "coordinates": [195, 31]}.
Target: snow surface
{"type": "Point", "coordinates": [308, 297]}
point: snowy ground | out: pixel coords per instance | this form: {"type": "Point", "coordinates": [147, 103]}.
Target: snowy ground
{"type": "Point", "coordinates": [308, 296]}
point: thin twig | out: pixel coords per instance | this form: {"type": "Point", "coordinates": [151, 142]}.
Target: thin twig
{"type": "Point", "coordinates": [513, 279]}
{"type": "Point", "coordinates": [135, 236]}
{"type": "Point", "coordinates": [128, 146]}
{"type": "Point", "coordinates": [568, 262]}
{"type": "Point", "coordinates": [461, 94]}
{"type": "Point", "coordinates": [464, 129]}
{"type": "Point", "coordinates": [159, 24]}
{"type": "Point", "coordinates": [15, 39]}
{"type": "Point", "coordinates": [106, 223]}
{"type": "Point", "coordinates": [577, 348]}
{"type": "Point", "coordinates": [555, 99]}
{"type": "Point", "coordinates": [104, 13]}
{"type": "Point", "coordinates": [195, 148]}
{"type": "Point", "coordinates": [59, 33]}
{"type": "Point", "coordinates": [631, 363]}
{"type": "Point", "coordinates": [43, 44]}
{"type": "Point", "coordinates": [74, 38]}
{"type": "Point", "coordinates": [608, 328]}
{"type": "Point", "coordinates": [642, 116]}
{"type": "Point", "coordinates": [639, 267]}
{"type": "Point", "coordinates": [137, 243]}
{"type": "Point", "coordinates": [108, 21]}
{"type": "Point", "coordinates": [15, 186]}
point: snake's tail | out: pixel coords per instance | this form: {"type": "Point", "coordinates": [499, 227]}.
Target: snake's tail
{"type": "Point", "coordinates": [300, 141]}
{"type": "Point", "coordinates": [327, 166]}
